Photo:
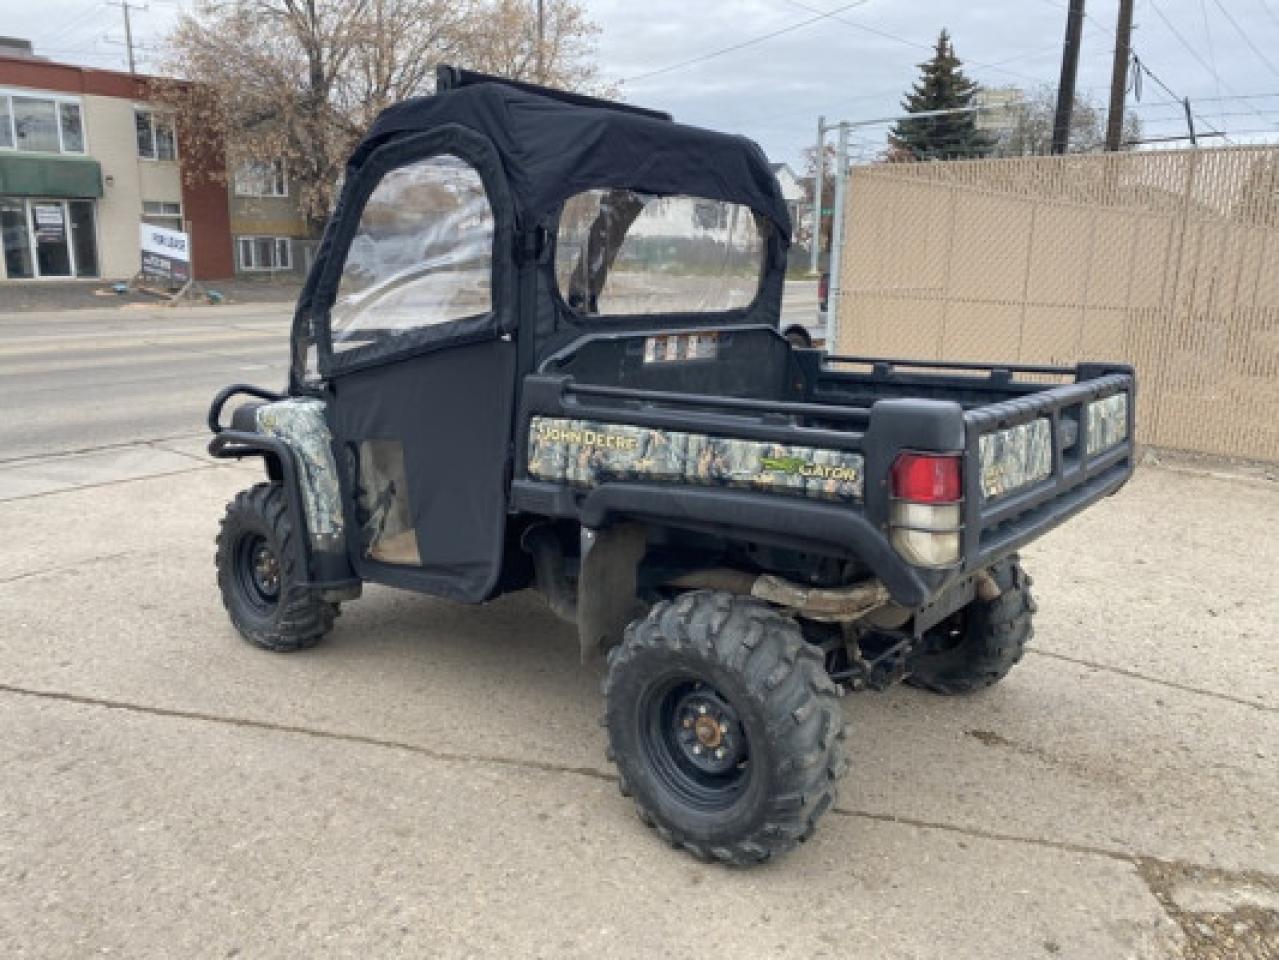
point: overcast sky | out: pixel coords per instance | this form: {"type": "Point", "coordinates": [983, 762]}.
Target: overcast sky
{"type": "Point", "coordinates": [854, 64]}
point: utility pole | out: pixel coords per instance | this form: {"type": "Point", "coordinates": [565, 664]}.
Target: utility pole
{"type": "Point", "coordinates": [837, 241]}
{"type": "Point", "coordinates": [816, 243]}
{"type": "Point", "coordinates": [1119, 76]}
{"type": "Point", "coordinates": [541, 41]}
{"type": "Point", "coordinates": [128, 29]}
{"type": "Point", "coordinates": [1069, 68]}
{"type": "Point", "coordinates": [1190, 122]}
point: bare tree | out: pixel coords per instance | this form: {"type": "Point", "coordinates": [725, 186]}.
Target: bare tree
{"type": "Point", "coordinates": [504, 40]}
{"type": "Point", "coordinates": [300, 80]}
{"type": "Point", "coordinates": [1028, 129]}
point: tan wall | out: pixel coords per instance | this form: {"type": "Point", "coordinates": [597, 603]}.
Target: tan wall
{"type": "Point", "coordinates": [1165, 260]}
{"type": "Point", "coordinates": [127, 181]}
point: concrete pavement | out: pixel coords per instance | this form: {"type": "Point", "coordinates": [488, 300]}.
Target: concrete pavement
{"type": "Point", "coordinates": [431, 781]}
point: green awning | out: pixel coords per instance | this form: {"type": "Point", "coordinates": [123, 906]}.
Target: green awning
{"type": "Point", "coordinates": [44, 176]}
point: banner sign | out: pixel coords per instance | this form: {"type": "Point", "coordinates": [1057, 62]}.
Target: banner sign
{"type": "Point", "coordinates": [166, 255]}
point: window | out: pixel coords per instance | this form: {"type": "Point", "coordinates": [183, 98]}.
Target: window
{"type": "Point", "coordinates": [421, 255]}
{"type": "Point", "coordinates": [47, 238]}
{"type": "Point", "coordinates": [162, 213]}
{"type": "Point", "coordinates": [35, 124]}
{"type": "Point", "coordinates": [40, 124]}
{"type": "Point", "coordinates": [265, 253]}
{"type": "Point", "coordinates": [620, 252]}
{"type": "Point", "coordinates": [261, 178]}
{"type": "Point", "coordinates": [157, 138]}
{"type": "Point", "coordinates": [72, 128]}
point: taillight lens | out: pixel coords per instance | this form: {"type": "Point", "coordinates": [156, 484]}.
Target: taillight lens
{"type": "Point", "coordinates": [925, 517]}
{"type": "Point", "coordinates": [927, 478]}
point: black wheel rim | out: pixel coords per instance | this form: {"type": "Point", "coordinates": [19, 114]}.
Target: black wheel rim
{"type": "Point", "coordinates": [695, 743]}
{"type": "Point", "coordinates": [258, 572]}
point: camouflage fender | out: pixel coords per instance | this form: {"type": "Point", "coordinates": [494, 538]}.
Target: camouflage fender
{"type": "Point", "coordinates": [300, 423]}
{"type": "Point", "coordinates": [586, 453]}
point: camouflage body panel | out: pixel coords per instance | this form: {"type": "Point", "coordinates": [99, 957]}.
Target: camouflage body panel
{"type": "Point", "coordinates": [1107, 422]}
{"type": "Point", "coordinates": [300, 423]}
{"type": "Point", "coordinates": [1015, 458]}
{"type": "Point", "coordinates": [586, 453]}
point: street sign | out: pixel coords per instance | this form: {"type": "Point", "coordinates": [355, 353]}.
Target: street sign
{"type": "Point", "coordinates": [166, 255]}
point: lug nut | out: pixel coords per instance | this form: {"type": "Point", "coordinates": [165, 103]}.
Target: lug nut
{"type": "Point", "coordinates": [719, 754]}
{"type": "Point", "coordinates": [697, 749]}
{"type": "Point", "coordinates": [723, 728]}
{"type": "Point", "coordinates": [702, 709]}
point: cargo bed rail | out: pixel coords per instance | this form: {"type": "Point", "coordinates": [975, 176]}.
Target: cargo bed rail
{"type": "Point", "coordinates": [1089, 454]}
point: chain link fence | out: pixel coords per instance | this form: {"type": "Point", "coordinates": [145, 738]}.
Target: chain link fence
{"type": "Point", "coordinates": [1166, 260]}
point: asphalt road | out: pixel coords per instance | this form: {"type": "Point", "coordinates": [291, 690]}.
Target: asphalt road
{"type": "Point", "coordinates": [430, 781]}
{"type": "Point", "coordinates": [82, 379]}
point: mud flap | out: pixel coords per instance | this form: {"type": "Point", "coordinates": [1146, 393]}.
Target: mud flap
{"type": "Point", "coordinates": [606, 587]}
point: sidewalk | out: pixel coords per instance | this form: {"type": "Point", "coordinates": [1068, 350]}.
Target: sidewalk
{"type": "Point", "coordinates": [63, 297]}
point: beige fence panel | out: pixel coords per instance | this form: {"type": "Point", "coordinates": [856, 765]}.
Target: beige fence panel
{"type": "Point", "coordinates": [1166, 260]}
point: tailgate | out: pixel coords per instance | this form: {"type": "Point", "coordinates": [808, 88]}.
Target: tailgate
{"type": "Point", "coordinates": [1034, 461]}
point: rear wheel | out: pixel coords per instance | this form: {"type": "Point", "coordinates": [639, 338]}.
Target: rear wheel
{"type": "Point", "coordinates": [724, 726]}
{"type": "Point", "coordinates": [976, 647]}
{"type": "Point", "coordinates": [258, 575]}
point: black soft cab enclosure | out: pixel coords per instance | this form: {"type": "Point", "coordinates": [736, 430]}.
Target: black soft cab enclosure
{"type": "Point", "coordinates": [539, 347]}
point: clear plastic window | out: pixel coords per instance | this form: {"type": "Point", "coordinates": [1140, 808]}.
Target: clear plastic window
{"type": "Point", "coordinates": [619, 252]}
{"type": "Point", "coordinates": [422, 254]}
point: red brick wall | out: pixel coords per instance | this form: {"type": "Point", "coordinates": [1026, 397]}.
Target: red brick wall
{"type": "Point", "coordinates": [204, 204]}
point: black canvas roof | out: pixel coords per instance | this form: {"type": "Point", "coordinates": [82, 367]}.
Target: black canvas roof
{"type": "Point", "coordinates": [551, 150]}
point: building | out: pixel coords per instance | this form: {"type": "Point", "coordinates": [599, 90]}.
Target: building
{"type": "Point", "coordinates": [1000, 109]}
{"type": "Point", "coordinates": [792, 192]}
{"type": "Point", "coordinates": [85, 159]}
{"type": "Point", "coordinates": [268, 230]}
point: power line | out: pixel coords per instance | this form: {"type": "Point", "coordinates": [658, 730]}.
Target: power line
{"type": "Point", "coordinates": [70, 27]}
{"type": "Point", "coordinates": [1212, 56]}
{"type": "Point", "coordinates": [745, 43]}
{"type": "Point", "coordinates": [1246, 39]}
{"type": "Point", "coordinates": [876, 31]}
{"type": "Point", "coordinates": [1265, 5]}
{"type": "Point", "coordinates": [1191, 50]}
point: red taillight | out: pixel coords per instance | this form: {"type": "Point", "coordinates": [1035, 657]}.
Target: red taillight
{"type": "Point", "coordinates": [927, 478]}
{"type": "Point", "coordinates": [823, 288]}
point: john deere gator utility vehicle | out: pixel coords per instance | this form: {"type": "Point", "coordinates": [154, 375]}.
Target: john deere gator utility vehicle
{"type": "Point", "coordinates": [539, 348]}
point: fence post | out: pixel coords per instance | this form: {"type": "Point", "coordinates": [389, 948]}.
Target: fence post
{"type": "Point", "coordinates": [837, 243]}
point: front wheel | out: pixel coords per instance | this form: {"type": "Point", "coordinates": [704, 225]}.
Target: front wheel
{"type": "Point", "coordinates": [258, 576]}
{"type": "Point", "coordinates": [977, 646]}
{"type": "Point", "coordinates": [724, 726]}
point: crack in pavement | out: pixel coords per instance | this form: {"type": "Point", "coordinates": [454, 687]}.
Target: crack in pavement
{"type": "Point", "coordinates": [114, 483]}
{"type": "Point", "coordinates": [1141, 861]}
{"type": "Point", "coordinates": [77, 451]}
{"type": "Point", "coordinates": [62, 568]}
{"type": "Point", "coordinates": [1173, 684]}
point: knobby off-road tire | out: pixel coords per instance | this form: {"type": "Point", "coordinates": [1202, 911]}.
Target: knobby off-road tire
{"type": "Point", "coordinates": [258, 575]}
{"type": "Point", "coordinates": [976, 647]}
{"type": "Point", "coordinates": [772, 710]}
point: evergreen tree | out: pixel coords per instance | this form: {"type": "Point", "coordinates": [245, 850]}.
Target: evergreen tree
{"type": "Point", "coordinates": [941, 86]}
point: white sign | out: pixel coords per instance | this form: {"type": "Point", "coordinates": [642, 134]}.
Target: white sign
{"type": "Point", "coordinates": [173, 244]}
{"type": "Point", "coordinates": [48, 214]}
